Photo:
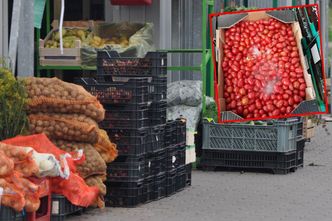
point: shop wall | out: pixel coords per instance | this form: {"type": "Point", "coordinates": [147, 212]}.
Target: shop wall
{"type": "Point", "coordinates": [3, 28]}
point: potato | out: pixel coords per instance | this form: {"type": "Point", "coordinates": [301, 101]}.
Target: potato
{"type": "Point", "coordinates": [54, 95]}
{"type": "Point", "coordinates": [70, 127]}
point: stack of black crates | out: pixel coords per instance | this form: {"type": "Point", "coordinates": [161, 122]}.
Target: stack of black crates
{"type": "Point", "coordinates": [133, 92]}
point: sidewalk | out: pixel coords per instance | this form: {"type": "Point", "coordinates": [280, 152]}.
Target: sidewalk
{"type": "Point", "coordinates": [305, 195]}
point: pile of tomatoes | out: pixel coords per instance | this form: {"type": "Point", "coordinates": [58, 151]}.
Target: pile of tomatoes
{"type": "Point", "coordinates": [262, 70]}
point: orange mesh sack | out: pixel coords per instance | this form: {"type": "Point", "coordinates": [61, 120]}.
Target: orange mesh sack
{"type": "Point", "coordinates": [23, 161]}
{"type": "Point", "coordinates": [30, 190]}
{"type": "Point", "coordinates": [11, 196]}
{"type": "Point", "coordinates": [64, 127]}
{"type": "Point", "coordinates": [6, 164]}
{"type": "Point", "coordinates": [53, 95]}
{"type": "Point", "coordinates": [73, 188]}
{"type": "Point", "coordinates": [41, 144]}
{"type": "Point", "coordinates": [96, 180]}
{"type": "Point", "coordinates": [93, 164]}
{"type": "Point", "coordinates": [105, 147]}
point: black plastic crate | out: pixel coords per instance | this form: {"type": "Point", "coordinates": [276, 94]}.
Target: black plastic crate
{"type": "Point", "coordinates": [157, 112]}
{"type": "Point", "coordinates": [130, 142]}
{"type": "Point", "coordinates": [148, 190]}
{"type": "Point", "coordinates": [159, 190]}
{"type": "Point", "coordinates": [170, 133]}
{"type": "Point", "coordinates": [300, 155]}
{"type": "Point", "coordinates": [155, 164]}
{"type": "Point", "coordinates": [181, 130]}
{"type": "Point", "coordinates": [157, 138]}
{"type": "Point", "coordinates": [9, 214]}
{"type": "Point", "coordinates": [110, 63]}
{"type": "Point", "coordinates": [118, 118]}
{"type": "Point", "coordinates": [277, 162]}
{"type": "Point", "coordinates": [188, 174]}
{"type": "Point", "coordinates": [62, 208]}
{"type": "Point", "coordinates": [300, 143]}
{"type": "Point", "coordinates": [170, 183]}
{"type": "Point", "coordinates": [181, 177]}
{"type": "Point", "coordinates": [135, 90]}
{"type": "Point", "coordinates": [129, 170]}
{"type": "Point", "coordinates": [158, 88]}
{"type": "Point", "coordinates": [176, 156]}
{"type": "Point", "coordinates": [123, 194]}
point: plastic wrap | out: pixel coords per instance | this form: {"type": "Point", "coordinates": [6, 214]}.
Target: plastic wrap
{"type": "Point", "coordinates": [187, 93]}
{"type": "Point", "coordinates": [139, 35]}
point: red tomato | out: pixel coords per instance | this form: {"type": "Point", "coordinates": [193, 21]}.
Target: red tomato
{"type": "Point", "coordinates": [276, 112]}
{"type": "Point", "coordinates": [245, 101]}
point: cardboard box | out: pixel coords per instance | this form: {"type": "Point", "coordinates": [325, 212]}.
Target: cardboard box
{"type": "Point", "coordinates": [229, 20]}
{"type": "Point", "coordinates": [190, 154]}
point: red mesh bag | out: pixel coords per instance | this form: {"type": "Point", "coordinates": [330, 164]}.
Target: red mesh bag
{"type": "Point", "coordinates": [73, 188]}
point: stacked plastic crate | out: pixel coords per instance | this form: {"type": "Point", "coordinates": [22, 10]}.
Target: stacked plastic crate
{"type": "Point", "coordinates": [175, 141]}
{"type": "Point", "coordinates": [133, 93]}
{"type": "Point", "coordinates": [276, 146]}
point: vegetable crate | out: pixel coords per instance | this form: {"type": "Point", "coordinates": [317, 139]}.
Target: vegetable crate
{"type": "Point", "coordinates": [131, 142]}
{"type": "Point", "coordinates": [277, 136]}
{"type": "Point", "coordinates": [188, 174]}
{"type": "Point", "coordinates": [159, 188]}
{"type": "Point", "coordinates": [124, 194]}
{"type": "Point", "coordinates": [119, 117]}
{"type": "Point", "coordinates": [157, 112]}
{"type": "Point", "coordinates": [155, 164]}
{"type": "Point", "coordinates": [131, 91]}
{"type": "Point", "coordinates": [110, 63]}
{"type": "Point", "coordinates": [277, 162]}
{"type": "Point", "coordinates": [126, 169]}
{"type": "Point", "coordinates": [111, 66]}
{"type": "Point", "coordinates": [62, 208]}
{"type": "Point", "coordinates": [9, 214]}
{"type": "Point", "coordinates": [181, 177]}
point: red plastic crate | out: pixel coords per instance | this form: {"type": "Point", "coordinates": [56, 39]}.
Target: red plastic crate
{"type": "Point", "coordinates": [44, 211]}
{"type": "Point", "coordinates": [131, 2]}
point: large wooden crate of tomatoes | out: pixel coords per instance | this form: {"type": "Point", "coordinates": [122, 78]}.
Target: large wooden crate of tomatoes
{"type": "Point", "coordinates": [261, 67]}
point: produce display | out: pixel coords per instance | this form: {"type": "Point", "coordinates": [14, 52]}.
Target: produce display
{"type": "Point", "coordinates": [53, 95]}
{"type": "Point", "coordinates": [86, 36]}
{"type": "Point", "coordinates": [263, 75]}
{"type": "Point", "coordinates": [64, 127]}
